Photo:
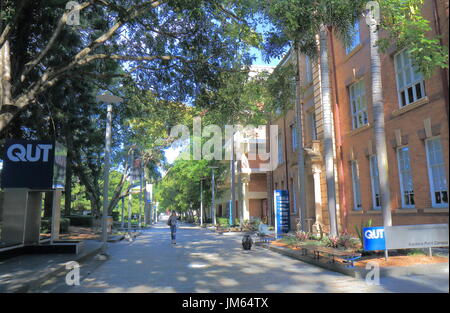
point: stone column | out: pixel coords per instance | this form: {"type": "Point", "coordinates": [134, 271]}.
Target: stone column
{"type": "Point", "coordinates": [317, 196]}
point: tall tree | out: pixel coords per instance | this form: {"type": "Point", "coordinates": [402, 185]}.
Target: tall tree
{"type": "Point", "coordinates": [378, 119]}
{"type": "Point", "coordinates": [169, 46]}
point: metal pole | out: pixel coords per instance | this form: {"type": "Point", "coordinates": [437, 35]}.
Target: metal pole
{"type": "Point", "coordinates": [129, 212]}
{"type": "Point", "coordinates": [213, 207]}
{"type": "Point", "coordinates": [233, 185]}
{"type": "Point", "coordinates": [201, 202]}
{"type": "Point", "coordinates": [106, 176]}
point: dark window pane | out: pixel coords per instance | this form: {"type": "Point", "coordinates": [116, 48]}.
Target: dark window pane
{"type": "Point", "coordinates": [403, 99]}
{"type": "Point", "coordinates": [410, 95]}
{"type": "Point", "coordinates": [444, 197]}
{"type": "Point", "coordinates": [437, 196]}
{"type": "Point", "coordinates": [418, 91]}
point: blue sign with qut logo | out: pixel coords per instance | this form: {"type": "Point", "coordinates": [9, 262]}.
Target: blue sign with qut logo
{"type": "Point", "coordinates": [282, 214]}
{"type": "Point", "coordinates": [374, 238]}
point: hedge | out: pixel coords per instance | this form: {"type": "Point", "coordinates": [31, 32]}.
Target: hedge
{"type": "Point", "coordinates": [46, 225]}
{"type": "Point", "coordinates": [81, 220]}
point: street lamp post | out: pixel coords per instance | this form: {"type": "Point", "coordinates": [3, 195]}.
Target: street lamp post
{"type": "Point", "coordinates": [213, 206]}
{"type": "Point", "coordinates": [201, 201]}
{"type": "Point", "coordinates": [109, 99]}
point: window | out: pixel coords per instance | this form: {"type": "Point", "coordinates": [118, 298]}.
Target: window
{"type": "Point", "coordinates": [354, 38]}
{"type": "Point", "coordinates": [406, 182]}
{"type": "Point", "coordinates": [308, 72]}
{"type": "Point", "coordinates": [358, 104]}
{"type": "Point", "coordinates": [280, 148]}
{"type": "Point", "coordinates": [294, 137]}
{"type": "Point", "coordinates": [410, 84]}
{"type": "Point", "coordinates": [437, 173]}
{"type": "Point", "coordinates": [312, 125]}
{"type": "Point", "coordinates": [357, 205]}
{"type": "Point", "coordinates": [375, 180]}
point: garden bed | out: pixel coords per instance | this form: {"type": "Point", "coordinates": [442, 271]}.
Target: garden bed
{"type": "Point", "coordinates": [396, 258]}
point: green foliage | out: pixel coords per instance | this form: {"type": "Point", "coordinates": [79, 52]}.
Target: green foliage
{"type": "Point", "coordinates": [46, 225]}
{"type": "Point", "coordinates": [290, 240]}
{"type": "Point", "coordinates": [223, 222]}
{"type": "Point", "coordinates": [180, 189]}
{"type": "Point", "coordinates": [302, 236]}
{"type": "Point", "coordinates": [359, 230]}
{"type": "Point", "coordinates": [80, 220]}
{"type": "Point", "coordinates": [408, 28]}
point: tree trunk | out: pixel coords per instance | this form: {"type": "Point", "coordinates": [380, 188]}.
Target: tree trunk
{"type": "Point", "coordinates": [48, 204]}
{"type": "Point", "coordinates": [69, 173]}
{"type": "Point", "coordinates": [378, 124]}
{"type": "Point", "coordinates": [300, 151]}
{"type": "Point", "coordinates": [5, 69]}
{"type": "Point", "coordinates": [328, 130]}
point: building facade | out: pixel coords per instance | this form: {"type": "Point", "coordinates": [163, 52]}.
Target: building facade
{"type": "Point", "coordinates": [416, 126]}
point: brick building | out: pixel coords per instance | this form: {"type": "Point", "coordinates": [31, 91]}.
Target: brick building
{"type": "Point", "coordinates": [416, 124]}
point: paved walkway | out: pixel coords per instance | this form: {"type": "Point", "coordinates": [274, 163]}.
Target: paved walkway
{"type": "Point", "coordinates": [20, 273]}
{"type": "Point", "coordinates": [205, 262]}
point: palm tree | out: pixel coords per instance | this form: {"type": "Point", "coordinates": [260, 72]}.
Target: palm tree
{"type": "Point", "coordinates": [378, 119]}
{"type": "Point", "coordinates": [301, 152]}
{"type": "Point", "coordinates": [328, 129]}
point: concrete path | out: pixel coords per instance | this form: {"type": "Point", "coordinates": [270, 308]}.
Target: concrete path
{"type": "Point", "coordinates": [24, 272]}
{"type": "Point", "coordinates": [204, 262]}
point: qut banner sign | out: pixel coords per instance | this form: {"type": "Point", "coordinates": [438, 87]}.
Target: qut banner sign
{"type": "Point", "coordinates": [34, 165]}
{"type": "Point", "coordinates": [282, 212]}
{"type": "Point", "coordinates": [374, 238]}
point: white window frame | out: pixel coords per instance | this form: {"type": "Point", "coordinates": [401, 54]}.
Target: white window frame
{"type": "Point", "coordinates": [401, 175]}
{"type": "Point", "coordinates": [312, 124]}
{"type": "Point", "coordinates": [415, 78]}
{"type": "Point", "coordinates": [430, 174]}
{"type": "Point", "coordinates": [375, 181]}
{"type": "Point", "coordinates": [356, 186]}
{"type": "Point", "coordinates": [357, 96]}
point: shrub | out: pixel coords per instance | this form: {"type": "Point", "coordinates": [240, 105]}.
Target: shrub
{"type": "Point", "coordinates": [346, 241]}
{"type": "Point", "coordinates": [330, 241]}
{"type": "Point", "coordinates": [46, 225]}
{"type": "Point", "coordinates": [302, 235]}
{"type": "Point", "coordinates": [81, 220]}
{"type": "Point", "coordinates": [115, 215]}
{"type": "Point", "coordinates": [290, 240]}
{"type": "Point", "coordinates": [359, 231]}
{"type": "Point", "coordinates": [223, 222]}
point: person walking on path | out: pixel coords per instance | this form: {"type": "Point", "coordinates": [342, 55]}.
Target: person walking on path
{"type": "Point", "coordinates": [172, 222]}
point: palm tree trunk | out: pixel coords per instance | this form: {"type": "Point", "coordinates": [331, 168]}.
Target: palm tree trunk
{"type": "Point", "coordinates": [328, 130]}
{"type": "Point", "coordinates": [300, 154]}
{"type": "Point", "coordinates": [378, 125]}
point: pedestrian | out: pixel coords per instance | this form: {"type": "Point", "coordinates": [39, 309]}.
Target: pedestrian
{"type": "Point", "coordinates": [172, 222]}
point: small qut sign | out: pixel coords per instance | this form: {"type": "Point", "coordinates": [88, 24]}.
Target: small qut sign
{"type": "Point", "coordinates": [374, 238]}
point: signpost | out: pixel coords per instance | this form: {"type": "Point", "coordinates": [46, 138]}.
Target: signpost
{"type": "Point", "coordinates": [417, 236]}
{"type": "Point", "coordinates": [282, 214]}
{"type": "Point", "coordinates": [406, 237]}
{"type": "Point", "coordinates": [374, 238]}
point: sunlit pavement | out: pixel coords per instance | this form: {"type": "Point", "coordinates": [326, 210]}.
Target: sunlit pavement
{"type": "Point", "coordinates": [203, 262]}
